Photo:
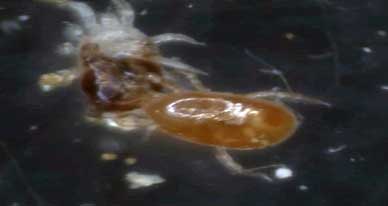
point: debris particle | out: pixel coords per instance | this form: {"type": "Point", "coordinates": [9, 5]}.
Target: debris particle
{"type": "Point", "coordinates": [381, 33]}
{"type": "Point", "coordinates": [33, 127]}
{"type": "Point", "coordinates": [303, 188]}
{"type": "Point", "coordinates": [384, 87]}
{"type": "Point", "coordinates": [190, 6]}
{"type": "Point", "coordinates": [283, 173]}
{"type": "Point", "coordinates": [336, 149]}
{"type": "Point", "coordinates": [367, 49]}
{"type": "Point", "coordinates": [108, 156]}
{"type": "Point", "coordinates": [130, 161]}
{"type": "Point", "coordinates": [143, 12]}
{"type": "Point", "coordinates": [48, 82]}
{"type": "Point", "coordinates": [289, 36]}
{"type": "Point", "coordinates": [24, 18]}
{"type": "Point", "coordinates": [138, 180]}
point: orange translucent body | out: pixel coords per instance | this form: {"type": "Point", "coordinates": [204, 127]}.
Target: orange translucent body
{"type": "Point", "coordinates": [219, 119]}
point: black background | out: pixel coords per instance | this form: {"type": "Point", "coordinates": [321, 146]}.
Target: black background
{"type": "Point", "coordinates": [51, 156]}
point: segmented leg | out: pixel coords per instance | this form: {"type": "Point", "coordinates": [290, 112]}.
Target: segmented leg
{"type": "Point", "coordinates": [279, 95]}
{"type": "Point", "coordinates": [85, 14]}
{"type": "Point", "coordinates": [124, 11]}
{"type": "Point", "coordinates": [148, 132]}
{"type": "Point", "coordinates": [270, 69]}
{"type": "Point", "coordinates": [195, 81]}
{"type": "Point", "coordinates": [172, 63]}
{"type": "Point", "coordinates": [288, 96]}
{"type": "Point", "coordinates": [172, 37]}
{"type": "Point", "coordinates": [237, 169]}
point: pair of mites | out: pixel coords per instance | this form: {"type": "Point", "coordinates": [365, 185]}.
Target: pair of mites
{"type": "Point", "coordinates": [130, 85]}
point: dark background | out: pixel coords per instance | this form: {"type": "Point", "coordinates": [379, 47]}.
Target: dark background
{"type": "Point", "coordinates": [50, 156]}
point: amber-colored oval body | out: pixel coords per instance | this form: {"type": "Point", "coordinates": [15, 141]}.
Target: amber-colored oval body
{"type": "Point", "coordinates": [220, 119]}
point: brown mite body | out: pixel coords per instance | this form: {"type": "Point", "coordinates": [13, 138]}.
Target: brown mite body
{"type": "Point", "coordinates": [218, 119]}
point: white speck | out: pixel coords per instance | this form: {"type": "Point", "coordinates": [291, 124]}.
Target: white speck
{"type": "Point", "coordinates": [108, 156]}
{"type": "Point", "coordinates": [143, 12]}
{"type": "Point", "coordinates": [33, 127]}
{"type": "Point", "coordinates": [111, 122]}
{"type": "Point", "coordinates": [138, 180]}
{"type": "Point", "coordinates": [381, 33]}
{"type": "Point", "coordinates": [336, 149]}
{"type": "Point", "coordinates": [46, 88]}
{"type": "Point", "coordinates": [24, 18]}
{"type": "Point", "coordinates": [283, 173]}
{"type": "Point", "coordinates": [367, 49]}
{"type": "Point", "coordinates": [352, 159]}
{"type": "Point", "coordinates": [289, 36]}
{"type": "Point", "coordinates": [303, 188]}
{"type": "Point", "coordinates": [130, 161]}
{"type": "Point", "coordinates": [384, 87]}
{"type": "Point", "coordinates": [190, 6]}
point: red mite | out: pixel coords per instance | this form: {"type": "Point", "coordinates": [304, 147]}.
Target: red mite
{"type": "Point", "coordinates": [129, 83]}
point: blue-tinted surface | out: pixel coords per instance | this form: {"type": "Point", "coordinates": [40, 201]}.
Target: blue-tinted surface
{"type": "Point", "coordinates": [338, 53]}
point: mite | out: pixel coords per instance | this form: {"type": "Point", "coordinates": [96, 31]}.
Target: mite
{"type": "Point", "coordinates": [130, 85]}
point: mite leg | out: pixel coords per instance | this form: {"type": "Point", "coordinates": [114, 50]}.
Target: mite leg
{"type": "Point", "coordinates": [288, 96]}
{"type": "Point", "coordinates": [195, 81]}
{"type": "Point", "coordinates": [189, 72]}
{"type": "Point", "coordinates": [279, 74]}
{"type": "Point", "coordinates": [270, 69]}
{"type": "Point", "coordinates": [61, 78]}
{"type": "Point", "coordinates": [125, 12]}
{"type": "Point", "coordinates": [173, 75]}
{"type": "Point", "coordinates": [171, 37]}
{"type": "Point", "coordinates": [84, 12]}
{"type": "Point", "coordinates": [149, 130]}
{"type": "Point", "coordinates": [237, 169]}
{"type": "Point", "coordinates": [176, 64]}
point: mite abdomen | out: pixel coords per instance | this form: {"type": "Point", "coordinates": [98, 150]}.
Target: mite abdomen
{"type": "Point", "coordinates": [218, 119]}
